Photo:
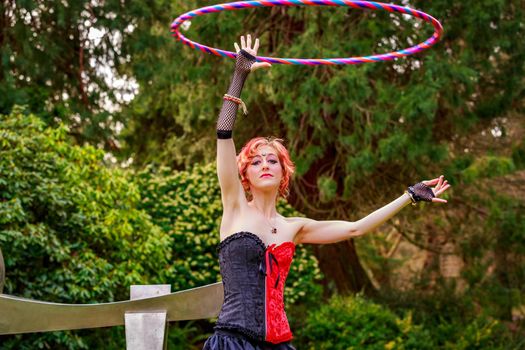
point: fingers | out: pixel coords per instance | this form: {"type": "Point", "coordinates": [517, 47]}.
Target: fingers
{"type": "Point", "coordinates": [439, 200]}
{"type": "Point", "coordinates": [246, 44]}
{"type": "Point", "coordinates": [430, 182]}
{"type": "Point", "coordinates": [441, 185]}
{"type": "Point", "coordinates": [258, 65]}
{"type": "Point", "coordinates": [440, 182]}
{"type": "Point", "coordinates": [442, 189]}
{"type": "Point", "coordinates": [243, 42]}
{"type": "Point", "coordinates": [438, 185]}
{"type": "Point", "coordinates": [237, 49]}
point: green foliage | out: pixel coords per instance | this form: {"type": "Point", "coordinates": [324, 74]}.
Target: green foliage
{"type": "Point", "coordinates": [453, 321]}
{"type": "Point", "coordinates": [479, 334]}
{"type": "Point", "coordinates": [487, 167]}
{"type": "Point", "coordinates": [357, 323]}
{"type": "Point", "coordinates": [503, 290]}
{"type": "Point", "coordinates": [357, 134]}
{"type": "Point", "coordinates": [70, 218]}
{"type": "Point", "coordinates": [518, 155]}
{"type": "Point", "coordinates": [327, 188]}
{"type": "Point", "coordinates": [185, 336]}
{"type": "Point", "coordinates": [498, 246]}
{"type": "Point", "coordinates": [186, 205]}
{"type": "Point", "coordinates": [69, 225]}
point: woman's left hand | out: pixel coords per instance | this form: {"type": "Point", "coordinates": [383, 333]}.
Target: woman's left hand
{"type": "Point", "coordinates": [247, 46]}
{"type": "Point", "coordinates": [441, 186]}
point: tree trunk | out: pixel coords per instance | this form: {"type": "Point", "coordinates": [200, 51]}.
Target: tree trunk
{"type": "Point", "coordinates": [340, 265]}
{"type": "Point", "coordinates": [338, 262]}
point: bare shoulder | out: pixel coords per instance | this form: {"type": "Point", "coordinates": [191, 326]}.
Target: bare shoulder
{"type": "Point", "coordinates": [294, 219]}
{"type": "Point", "coordinates": [296, 223]}
{"type": "Point", "coordinates": [297, 220]}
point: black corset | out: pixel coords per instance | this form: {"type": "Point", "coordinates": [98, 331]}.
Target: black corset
{"type": "Point", "coordinates": [241, 259]}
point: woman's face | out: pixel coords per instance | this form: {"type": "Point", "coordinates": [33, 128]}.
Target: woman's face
{"type": "Point", "coordinates": [265, 170]}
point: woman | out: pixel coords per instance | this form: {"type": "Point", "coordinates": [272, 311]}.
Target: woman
{"type": "Point", "coordinates": [257, 244]}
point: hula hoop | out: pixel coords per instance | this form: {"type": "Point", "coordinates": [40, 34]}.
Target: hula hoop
{"type": "Point", "coordinates": [232, 6]}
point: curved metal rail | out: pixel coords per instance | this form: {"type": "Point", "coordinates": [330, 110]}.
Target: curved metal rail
{"type": "Point", "coordinates": [20, 315]}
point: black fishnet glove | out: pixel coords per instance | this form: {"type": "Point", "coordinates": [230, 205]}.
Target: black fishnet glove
{"type": "Point", "coordinates": [420, 192]}
{"type": "Point", "coordinates": [228, 112]}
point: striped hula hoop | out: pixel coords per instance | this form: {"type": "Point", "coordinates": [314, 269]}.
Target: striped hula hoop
{"type": "Point", "coordinates": [232, 6]}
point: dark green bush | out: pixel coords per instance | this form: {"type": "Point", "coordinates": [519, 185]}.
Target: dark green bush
{"type": "Point", "coordinates": [69, 226]}
{"type": "Point", "coordinates": [357, 323]}
{"type": "Point", "coordinates": [70, 229]}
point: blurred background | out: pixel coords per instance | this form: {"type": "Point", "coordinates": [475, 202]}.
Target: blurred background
{"type": "Point", "coordinates": [107, 174]}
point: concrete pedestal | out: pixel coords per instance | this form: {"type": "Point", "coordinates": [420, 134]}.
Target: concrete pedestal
{"type": "Point", "coordinates": [147, 330]}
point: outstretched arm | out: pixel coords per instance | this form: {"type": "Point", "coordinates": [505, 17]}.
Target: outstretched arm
{"type": "Point", "coordinates": [323, 232]}
{"type": "Point", "coordinates": [227, 171]}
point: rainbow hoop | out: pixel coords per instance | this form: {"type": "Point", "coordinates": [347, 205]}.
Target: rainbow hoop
{"type": "Point", "coordinates": [438, 29]}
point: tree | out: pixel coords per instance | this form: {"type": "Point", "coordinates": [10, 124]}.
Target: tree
{"type": "Point", "coordinates": [359, 135]}
{"type": "Point", "coordinates": [61, 58]}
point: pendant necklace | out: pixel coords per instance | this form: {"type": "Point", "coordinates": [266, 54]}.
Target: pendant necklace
{"type": "Point", "coordinates": [274, 228]}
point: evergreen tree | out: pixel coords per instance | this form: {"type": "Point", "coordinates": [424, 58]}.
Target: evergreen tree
{"type": "Point", "coordinates": [358, 134]}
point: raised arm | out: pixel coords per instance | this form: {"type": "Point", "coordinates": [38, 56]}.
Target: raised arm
{"type": "Point", "coordinates": [227, 171]}
{"type": "Point", "coordinates": [323, 232]}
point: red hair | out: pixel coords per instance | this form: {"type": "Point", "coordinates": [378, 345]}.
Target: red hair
{"type": "Point", "coordinates": [249, 151]}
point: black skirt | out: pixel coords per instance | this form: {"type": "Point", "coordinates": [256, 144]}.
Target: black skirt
{"type": "Point", "coordinates": [229, 340]}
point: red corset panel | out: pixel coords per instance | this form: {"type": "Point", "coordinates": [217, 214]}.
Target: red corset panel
{"type": "Point", "coordinates": [278, 261]}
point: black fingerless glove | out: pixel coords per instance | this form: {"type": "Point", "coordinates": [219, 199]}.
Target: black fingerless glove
{"type": "Point", "coordinates": [229, 108]}
{"type": "Point", "coordinates": [420, 192]}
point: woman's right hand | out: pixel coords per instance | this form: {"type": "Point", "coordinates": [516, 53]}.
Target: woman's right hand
{"type": "Point", "coordinates": [246, 45]}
